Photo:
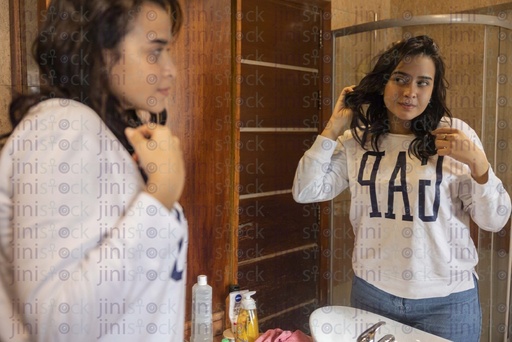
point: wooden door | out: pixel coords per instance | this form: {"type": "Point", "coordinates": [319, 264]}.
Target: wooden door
{"type": "Point", "coordinates": [283, 49]}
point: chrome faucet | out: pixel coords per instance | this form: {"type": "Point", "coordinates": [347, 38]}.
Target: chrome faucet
{"type": "Point", "coordinates": [388, 338]}
{"type": "Point", "coordinates": [369, 334]}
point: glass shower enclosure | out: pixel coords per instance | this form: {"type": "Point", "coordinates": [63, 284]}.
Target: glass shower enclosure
{"type": "Point", "coordinates": [477, 49]}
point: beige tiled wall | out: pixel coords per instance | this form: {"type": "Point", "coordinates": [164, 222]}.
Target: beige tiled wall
{"type": "Point", "coordinates": [348, 12]}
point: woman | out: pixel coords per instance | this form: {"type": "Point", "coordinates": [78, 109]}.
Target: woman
{"type": "Point", "coordinates": [416, 176]}
{"type": "Point", "coordinates": [93, 241]}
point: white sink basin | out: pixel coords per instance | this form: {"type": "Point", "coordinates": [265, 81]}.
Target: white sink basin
{"type": "Point", "coordinates": [345, 324]}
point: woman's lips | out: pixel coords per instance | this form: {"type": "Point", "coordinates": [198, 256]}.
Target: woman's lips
{"type": "Point", "coordinates": [406, 105]}
{"type": "Point", "coordinates": [164, 91]}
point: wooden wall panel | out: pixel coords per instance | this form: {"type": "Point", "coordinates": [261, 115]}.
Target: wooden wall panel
{"type": "Point", "coordinates": [201, 116]}
{"type": "Point", "coordinates": [272, 224]}
{"type": "Point", "coordinates": [280, 98]}
{"type": "Point", "coordinates": [18, 47]}
{"type": "Point", "coordinates": [269, 95]}
{"type": "Point", "coordinates": [283, 32]}
{"type": "Point", "coordinates": [268, 160]}
{"type": "Point", "coordinates": [282, 282]}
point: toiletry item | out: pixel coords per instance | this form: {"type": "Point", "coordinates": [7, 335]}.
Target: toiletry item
{"type": "Point", "coordinates": [247, 329]}
{"type": "Point", "coordinates": [227, 319]}
{"type": "Point", "coordinates": [228, 335]}
{"type": "Point", "coordinates": [202, 323]}
{"type": "Point", "coordinates": [233, 304]}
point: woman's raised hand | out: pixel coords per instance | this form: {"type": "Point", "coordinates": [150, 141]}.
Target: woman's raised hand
{"type": "Point", "coordinates": [159, 154]}
{"type": "Point", "coordinates": [455, 144]}
{"type": "Point", "coordinates": [340, 118]}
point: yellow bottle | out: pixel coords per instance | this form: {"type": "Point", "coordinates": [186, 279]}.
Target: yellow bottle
{"type": "Point", "coordinates": [247, 329]}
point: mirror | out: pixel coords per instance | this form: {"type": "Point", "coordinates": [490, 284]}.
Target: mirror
{"type": "Point", "coordinates": [476, 49]}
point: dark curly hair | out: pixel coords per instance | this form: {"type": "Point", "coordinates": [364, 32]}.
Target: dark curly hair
{"type": "Point", "coordinates": [373, 123]}
{"type": "Point", "coordinates": [69, 51]}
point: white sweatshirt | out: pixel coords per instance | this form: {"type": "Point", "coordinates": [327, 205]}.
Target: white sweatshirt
{"type": "Point", "coordinates": [411, 221]}
{"type": "Point", "coordinates": [85, 253]}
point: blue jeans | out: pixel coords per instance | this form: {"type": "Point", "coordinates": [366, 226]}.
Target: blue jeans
{"type": "Point", "coordinates": [457, 317]}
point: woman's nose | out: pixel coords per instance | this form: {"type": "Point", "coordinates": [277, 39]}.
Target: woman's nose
{"type": "Point", "coordinates": [410, 91]}
{"type": "Point", "coordinates": [169, 67]}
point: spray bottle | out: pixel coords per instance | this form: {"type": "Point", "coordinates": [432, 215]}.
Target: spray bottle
{"type": "Point", "coordinates": [247, 329]}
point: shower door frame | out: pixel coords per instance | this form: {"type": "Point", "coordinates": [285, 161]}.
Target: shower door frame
{"type": "Point", "coordinates": [425, 20]}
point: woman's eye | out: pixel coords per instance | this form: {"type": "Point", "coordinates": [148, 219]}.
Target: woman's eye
{"type": "Point", "coordinates": [400, 80]}
{"type": "Point", "coordinates": [157, 52]}
{"type": "Point", "coordinates": [423, 83]}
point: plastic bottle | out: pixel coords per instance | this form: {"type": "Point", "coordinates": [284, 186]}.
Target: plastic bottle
{"type": "Point", "coordinates": [233, 305]}
{"type": "Point", "coordinates": [202, 324]}
{"type": "Point", "coordinates": [247, 329]}
{"type": "Point", "coordinates": [233, 288]}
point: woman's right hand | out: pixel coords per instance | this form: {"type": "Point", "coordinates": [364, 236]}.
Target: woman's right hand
{"type": "Point", "coordinates": [340, 118]}
{"type": "Point", "coordinates": [159, 154]}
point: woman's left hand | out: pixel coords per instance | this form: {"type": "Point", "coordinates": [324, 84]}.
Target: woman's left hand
{"type": "Point", "coordinates": [455, 144]}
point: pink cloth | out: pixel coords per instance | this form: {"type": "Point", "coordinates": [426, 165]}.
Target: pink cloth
{"type": "Point", "coordinates": [278, 335]}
